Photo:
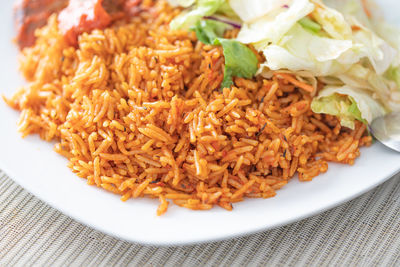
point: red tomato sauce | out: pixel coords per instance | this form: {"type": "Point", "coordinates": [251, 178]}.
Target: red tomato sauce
{"type": "Point", "coordinates": [75, 16]}
{"type": "Point", "coordinates": [82, 16]}
{"type": "Point", "coordinates": [32, 14]}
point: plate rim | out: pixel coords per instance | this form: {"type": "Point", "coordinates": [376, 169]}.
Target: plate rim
{"type": "Point", "coordinates": [115, 234]}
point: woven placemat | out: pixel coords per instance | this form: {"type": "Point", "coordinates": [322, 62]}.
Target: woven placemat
{"type": "Point", "coordinates": [362, 232]}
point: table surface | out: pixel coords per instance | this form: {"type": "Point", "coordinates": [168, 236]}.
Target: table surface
{"type": "Point", "coordinates": [362, 232]}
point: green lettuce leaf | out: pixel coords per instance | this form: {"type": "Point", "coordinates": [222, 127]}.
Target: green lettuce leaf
{"type": "Point", "coordinates": [339, 106]}
{"type": "Point", "coordinates": [310, 25]}
{"type": "Point", "coordinates": [182, 3]}
{"type": "Point", "coordinates": [393, 74]}
{"type": "Point", "coordinates": [240, 61]}
{"type": "Point", "coordinates": [348, 104]}
{"type": "Point", "coordinates": [355, 111]}
{"type": "Point", "coordinates": [331, 21]}
{"type": "Point", "coordinates": [209, 30]}
{"type": "Point", "coordinates": [199, 9]}
{"type": "Point", "coordinates": [226, 10]}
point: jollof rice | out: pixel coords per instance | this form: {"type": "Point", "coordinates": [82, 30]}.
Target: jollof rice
{"type": "Point", "coordinates": [138, 111]}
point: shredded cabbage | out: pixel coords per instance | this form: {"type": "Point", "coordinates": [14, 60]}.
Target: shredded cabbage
{"type": "Point", "coordinates": [393, 74]}
{"type": "Point", "coordinates": [199, 9]}
{"type": "Point", "coordinates": [348, 104]}
{"type": "Point", "coordinates": [272, 26]}
{"type": "Point", "coordinates": [303, 50]}
{"type": "Point", "coordinates": [344, 43]}
{"type": "Point", "coordinates": [310, 25]}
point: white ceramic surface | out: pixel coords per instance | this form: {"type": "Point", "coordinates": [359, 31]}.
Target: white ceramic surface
{"type": "Point", "coordinates": [33, 164]}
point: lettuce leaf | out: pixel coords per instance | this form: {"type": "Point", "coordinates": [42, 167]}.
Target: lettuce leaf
{"type": "Point", "coordinates": [331, 21]}
{"type": "Point", "coordinates": [226, 10]}
{"type": "Point", "coordinates": [383, 89]}
{"type": "Point", "coordinates": [251, 10]}
{"type": "Point", "coordinates": [348, 104]}
{"type": "Point", "coordinates": [268, 21]}
{"type": "Point", "coordinates": [303, 50]}
{"type": "Point", "coordinates": [380, 41]}
{"type": "Point", "coordinates": [310, 25]}
{"type": "Point", "coordinates": [339, 106]}
{"type": "Point", "coordinates": [379, 53]}
{"type": "Point", "coordinates": [240, 61]}
{"type": "Point", "coordinates": [200, 9]}
{"type": "Point", "coordinates": [209, 30]}
{"type": "Point", "coordinates": [393, 74]}
{"type": "Point", "coordinates": [182, 3]}
{"type": "Point", "coordinates": [355, 9]}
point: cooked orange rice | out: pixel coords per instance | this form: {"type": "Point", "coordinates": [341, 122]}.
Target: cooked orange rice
{"type": "Point", "coordinates": [138, 111]}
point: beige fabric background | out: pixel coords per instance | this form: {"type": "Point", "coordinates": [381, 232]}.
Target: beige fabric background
{"type": "Point", "coordinates": [363, 232]}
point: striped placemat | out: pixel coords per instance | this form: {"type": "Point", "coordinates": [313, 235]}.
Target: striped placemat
{"type": "Point", "coordinates": [362, 232]}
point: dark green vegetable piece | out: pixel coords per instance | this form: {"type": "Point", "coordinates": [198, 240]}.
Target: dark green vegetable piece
{"type": "Point", "coordinates": [240, 61]}
{"type": "Point", "coordinates": [310, 25]}
{"type": "Point", "coordinates": [353, 109]}
{"type": "Point", "coordinates": [209, 30]}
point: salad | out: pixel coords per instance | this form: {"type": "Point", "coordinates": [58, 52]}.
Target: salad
{"type": "Point", "coordinates": [345, 45]}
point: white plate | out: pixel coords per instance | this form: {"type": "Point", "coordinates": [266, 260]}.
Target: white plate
{"type": "Point", "coordinates": [33, 164]}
